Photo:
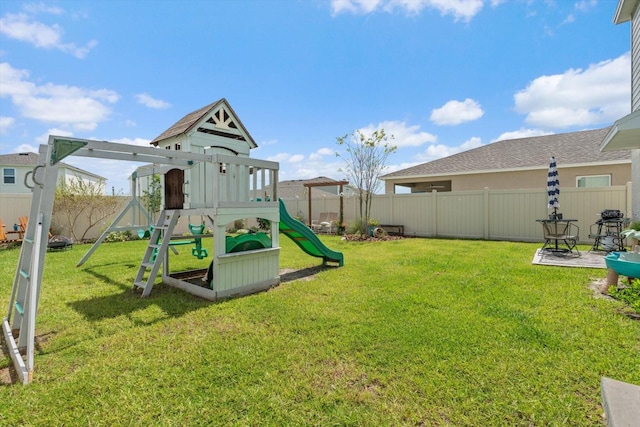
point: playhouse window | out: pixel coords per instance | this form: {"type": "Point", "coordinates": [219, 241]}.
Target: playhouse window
{"type": "Point", "coordinates": [9, 176]}
{"type": "Point", "coordinates": [177, 146]}
{"type": "Point", "coordinates": [168, 147]}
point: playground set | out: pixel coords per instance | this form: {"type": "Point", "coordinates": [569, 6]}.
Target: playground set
{"type": "Point", "coordinates": [205, 169]}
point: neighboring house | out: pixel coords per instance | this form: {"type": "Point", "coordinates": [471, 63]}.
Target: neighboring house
{"type": "Point", "coordinates": [15, 167]}
{"type": "Point", "coordinates": [625, 133]}
{"type": "Point", "coordinates": [520, 164]}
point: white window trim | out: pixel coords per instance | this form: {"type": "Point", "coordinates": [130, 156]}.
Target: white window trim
{"type": "Point", "coordinates": [15, 177]}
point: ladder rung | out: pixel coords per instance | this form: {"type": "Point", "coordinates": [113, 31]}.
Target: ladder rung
{"type": "Point", "coordinates": [27, 240]}
{"type": "Point", "coordinates": [19, 308]}
{"type": "Point", "coordinates": [147, 264]}
{"type": "Point", "coordinates": [155, 246]}
{"type": "Point", "coordinates": [24, 274]}
{"type": "Point", "coordinates": [140, 284]}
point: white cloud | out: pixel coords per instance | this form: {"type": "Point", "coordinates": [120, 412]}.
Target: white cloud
{"type": "Point", "coordinates": [44, 138]}
{"type": "Point", "coordinates": [457, 112]}
{"type": "Point", "coordinates": [6, 123]}
{"type": "Point", "coordinates": [149, 101]}
{"type": "Point", "coordinates": [23, 28]}
{"type": "Point", "coordinates": [25, 148]}
{"type": "Point", "coordinates": [138, 142]}
{"type": "Point", "coordinates": [403, 135]}
{"type": "Point", "coordinates": [64, 105]}
{"type": "Point", "coordinates": [41, 7]}
{"type": "Point", "coordinates": [599, 94]}
{"type": "Point", "coordinates": [585, 5]}
{"type": "Point", "coordinates": [322, 162]}
{"type": "Point", "coordinates": [462, 10]}
{"type": "Point", "coordinates": [521, 133]}
{"type": "Point", "coordinates": [437, 151]}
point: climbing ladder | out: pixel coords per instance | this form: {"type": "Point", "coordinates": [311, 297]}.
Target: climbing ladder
{"type": "Point", "coordinates": [19, 324]}
{"type": "Point", "coordinates": [155, 253]}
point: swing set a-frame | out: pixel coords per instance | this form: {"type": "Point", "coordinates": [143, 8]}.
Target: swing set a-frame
{"type": "Point", "coordinates": [237, 188]}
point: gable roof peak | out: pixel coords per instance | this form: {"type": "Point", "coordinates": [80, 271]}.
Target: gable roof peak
{"type": "Point", "coordinates": [218, 115]}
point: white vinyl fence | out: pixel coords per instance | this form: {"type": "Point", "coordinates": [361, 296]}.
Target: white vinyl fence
{"type": "Point", "coordinates": [483, 214]}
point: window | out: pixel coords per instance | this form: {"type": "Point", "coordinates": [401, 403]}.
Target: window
{"type": "Point", "coordinates": [168, 147]}
{"type": "Point", "coordinates": [8, 176]}
{"type": "Point", "coordinates": [593, 181]}
{"type": "Point", "coordinates": [177, 146]}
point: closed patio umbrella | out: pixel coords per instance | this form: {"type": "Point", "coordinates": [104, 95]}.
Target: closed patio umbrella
{"type": "Point", "coordinates": [553, 186]}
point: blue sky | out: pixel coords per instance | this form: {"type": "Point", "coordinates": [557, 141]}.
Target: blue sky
{"type": "Point", "coordinates": [442, 76]}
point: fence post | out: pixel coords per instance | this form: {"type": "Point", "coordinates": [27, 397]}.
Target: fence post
{"type": "Point", "coordinates": [629, 208]}
{"type": "Point", "coordinates": [434, 212]}
{"type": "Point", "coordinates": [485, 233]}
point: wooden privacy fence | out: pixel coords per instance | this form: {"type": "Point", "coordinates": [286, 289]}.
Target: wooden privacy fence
{"type": "Point", "coordinates": [481, 214]}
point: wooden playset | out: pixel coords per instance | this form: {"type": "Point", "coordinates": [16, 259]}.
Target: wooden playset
{"type": "Point", "coordinates": [205, 169]}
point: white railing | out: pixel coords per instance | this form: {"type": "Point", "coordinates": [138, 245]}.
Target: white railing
{"type": "Point", "coordinates": [240, 180]}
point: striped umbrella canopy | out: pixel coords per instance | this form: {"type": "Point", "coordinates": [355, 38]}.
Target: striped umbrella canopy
{"type": "Point", "coordinates": [553, 186]}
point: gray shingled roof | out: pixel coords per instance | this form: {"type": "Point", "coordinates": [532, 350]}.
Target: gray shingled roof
{"type": "Point", "coordinates": [187, 122]}
{"type": "Point", "coordinates": [295, 187]}
{"type": "Point", "coordinates": [523, 153]}
{"type": "Point", "coordinates": [19, 159]}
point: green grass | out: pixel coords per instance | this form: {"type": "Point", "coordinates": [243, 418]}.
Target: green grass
{"type": "Point", "coordinates": [408, 332]}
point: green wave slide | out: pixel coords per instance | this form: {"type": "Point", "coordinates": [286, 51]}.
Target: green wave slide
{"type": "Point", "coordinates": [306, 239]}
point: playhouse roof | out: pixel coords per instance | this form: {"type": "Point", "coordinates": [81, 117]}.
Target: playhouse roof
{"type": "Point", "coordinates": [194, 118]}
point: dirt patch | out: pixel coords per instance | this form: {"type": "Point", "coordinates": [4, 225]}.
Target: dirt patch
{"type": "Point", "coordinates": [289, 275]}
{"type": "Point", "coordinates": [8, 374]}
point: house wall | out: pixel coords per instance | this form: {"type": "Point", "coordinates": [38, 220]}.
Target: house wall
{"type": "Point", "coordinates": [63, 174]}
{"type": "Point", "coordinates": [525, 179]}
{"type": "Point", "coordinates": [18, 187]}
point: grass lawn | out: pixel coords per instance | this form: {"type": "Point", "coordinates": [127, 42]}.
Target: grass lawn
{"type": "Point", "coordinates": [408, 332]}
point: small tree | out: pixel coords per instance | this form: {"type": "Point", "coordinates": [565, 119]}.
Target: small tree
{"type": "Point", "coordinates": [77, 199]}
{"type": "Point", "coordinates": [365, 158]}
{"type": "Point", "coordinates": [152, 199]}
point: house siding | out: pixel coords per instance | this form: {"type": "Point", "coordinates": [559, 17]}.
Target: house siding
{"type": "Point", "coordinates": [18, 187]}
{"type": "Point", "coordinates": [526, 179]}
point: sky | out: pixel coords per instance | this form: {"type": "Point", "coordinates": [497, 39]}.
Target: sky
{"type": "Point", "coordinates": [440, 76]}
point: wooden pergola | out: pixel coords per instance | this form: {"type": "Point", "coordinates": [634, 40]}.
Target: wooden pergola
{"type": "Point", "coordinates": [327, 183]}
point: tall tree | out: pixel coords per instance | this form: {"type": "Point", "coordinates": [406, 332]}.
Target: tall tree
{"type": "Point", "coordinates": [365, 157]}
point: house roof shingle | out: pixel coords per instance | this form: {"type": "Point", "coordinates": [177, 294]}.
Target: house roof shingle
{"type": "Point", "coordinates": [19, 159]}
{"type": "Point", "coordinates": [574, 148]}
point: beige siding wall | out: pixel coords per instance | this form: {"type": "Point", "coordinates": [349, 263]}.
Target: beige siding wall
{"type": "Point", "coordinates": [479, 214]}
{"type": "Point", "coordinates": [620, 175]}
